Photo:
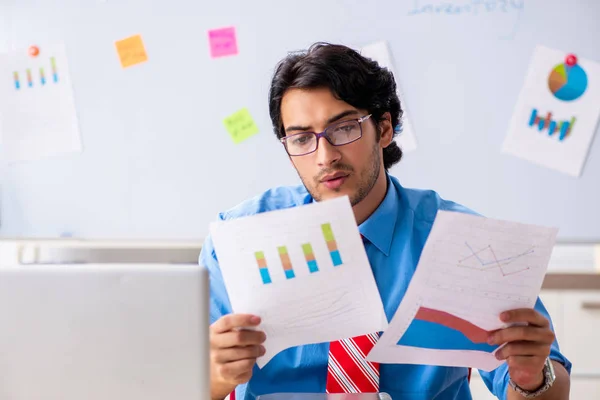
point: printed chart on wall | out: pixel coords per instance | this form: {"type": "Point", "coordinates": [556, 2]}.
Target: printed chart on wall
{"type": "Point", "coordinates": [380, 52]}
{"type": "Point", "coordinates": [557, 113]}
{"type": "Point", "coordinates": [471, 270]}
{"type": "Point", "coordinates": [304, 271]}
{"type": "Point", "coordinates": [37, 109]}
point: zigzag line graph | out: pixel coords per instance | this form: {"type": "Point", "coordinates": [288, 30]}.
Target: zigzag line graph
{"type": "Point", "coordinates": [486, 260]}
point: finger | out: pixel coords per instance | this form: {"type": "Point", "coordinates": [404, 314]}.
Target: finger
{"type": "Point", "coordinates": [523, 349]}
{"type": "Point", "coordinates": [527, 315]}
{"type": "Point", "coordinates": [239, 338]}
{"type": "Point", "coordinates": [521, 333]}
{"type": "Point", "coordinates": [236, 371]}
{"type": "Point", "coordinates": [238, 353]}
{"type": "Point", "coordinates": [232, 321]}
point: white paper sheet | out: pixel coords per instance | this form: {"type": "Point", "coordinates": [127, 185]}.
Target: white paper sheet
{"type": "Point", "coordinates": [379, 52]}
{"type": "Point", "coordinates": [37, 109]}
{"type": "Point", "coordinates": [470, 271]}
{"type": "Point", "coordinates": [573, 98]}
{"type": "Point", "coordinates": [331, 303]}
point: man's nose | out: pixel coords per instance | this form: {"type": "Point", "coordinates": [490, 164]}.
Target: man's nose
{"type": "Point", "coordinates": [327, 154]}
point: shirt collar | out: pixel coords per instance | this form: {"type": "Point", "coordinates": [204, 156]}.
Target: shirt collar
{"type": "Point", "coordinates": [379, 227]}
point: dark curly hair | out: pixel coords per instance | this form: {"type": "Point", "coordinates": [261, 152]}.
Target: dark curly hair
{"type": "Point", "coordinates": [352, 78]}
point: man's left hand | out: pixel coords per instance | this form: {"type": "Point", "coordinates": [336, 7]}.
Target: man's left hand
{"type": "Point", "coordinates": [527, 346]}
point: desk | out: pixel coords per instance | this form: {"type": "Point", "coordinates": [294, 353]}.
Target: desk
{"type": "Point", "coordinates": [15, 252]}
{"type": "Point", "coordinates": [571, 292]}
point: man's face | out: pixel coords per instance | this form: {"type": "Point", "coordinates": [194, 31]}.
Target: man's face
{"type": "Point", "coordinates": [332, 171]}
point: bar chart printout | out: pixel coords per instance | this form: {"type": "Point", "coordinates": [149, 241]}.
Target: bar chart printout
{"type": "Point", "coordinates": [303, 270]}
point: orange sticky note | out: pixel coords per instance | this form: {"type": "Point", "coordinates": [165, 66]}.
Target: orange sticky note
{"type": "Point", "coordinates": [131, 51]}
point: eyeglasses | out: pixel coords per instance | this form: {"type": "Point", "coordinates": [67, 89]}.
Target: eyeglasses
{"type": "Point", "coordinates": [338, 134]}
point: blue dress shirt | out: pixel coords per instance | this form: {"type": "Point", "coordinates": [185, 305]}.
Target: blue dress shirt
{"type": "Point", "coordinates": [396, 233]}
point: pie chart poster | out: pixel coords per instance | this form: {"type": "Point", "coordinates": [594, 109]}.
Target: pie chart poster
{"type": "Point", "coordinates": [557, 112]}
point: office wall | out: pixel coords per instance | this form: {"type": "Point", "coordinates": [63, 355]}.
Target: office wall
{"type": "Point", "coordinates": [158, 163]}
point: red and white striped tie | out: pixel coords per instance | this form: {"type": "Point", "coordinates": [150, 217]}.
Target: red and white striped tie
{"type": "Point", "coordinates": [348, 371]}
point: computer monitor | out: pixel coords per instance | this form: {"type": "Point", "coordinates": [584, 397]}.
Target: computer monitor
{"type": "Point", "coordinates": [104, 331]}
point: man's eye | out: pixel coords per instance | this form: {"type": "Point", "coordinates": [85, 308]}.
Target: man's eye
{"type": "Point", "coordinates": [301, 140]}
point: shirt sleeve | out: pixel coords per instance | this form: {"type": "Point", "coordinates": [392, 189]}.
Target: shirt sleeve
{"type": "Point", "coordinates": [219, 299]}
{"type": "Point", "coordinates": [497, 380]}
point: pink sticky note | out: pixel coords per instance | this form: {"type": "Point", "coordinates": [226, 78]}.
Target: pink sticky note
{"type": "Point", "coordinates": [222, 42]}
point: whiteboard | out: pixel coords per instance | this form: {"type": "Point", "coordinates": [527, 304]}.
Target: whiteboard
{"type": "Point", "coordinates": [158, 163]}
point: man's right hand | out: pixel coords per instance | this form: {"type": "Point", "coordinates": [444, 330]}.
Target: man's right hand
{"type": "Point", "coordinates": [233, 352]}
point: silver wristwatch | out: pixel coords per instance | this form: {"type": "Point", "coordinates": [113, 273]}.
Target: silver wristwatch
{"type": "Point", "coordinates": [549, 378]}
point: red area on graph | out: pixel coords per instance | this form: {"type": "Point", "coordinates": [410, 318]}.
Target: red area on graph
{"type": "Point", "coordinates": [473, 332]}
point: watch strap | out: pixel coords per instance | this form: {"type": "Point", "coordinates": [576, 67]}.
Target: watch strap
{"type": "Point", "coordinates": [549, 378]}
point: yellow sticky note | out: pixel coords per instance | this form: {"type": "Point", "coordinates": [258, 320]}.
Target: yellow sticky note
{"type": "Point", "coordinates": [240, 126]}
{"type": "Point", "coordinates": [131, 51]}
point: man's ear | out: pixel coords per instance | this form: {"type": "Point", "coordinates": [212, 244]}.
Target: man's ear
{"type": "Point", "coordinates": [387, 130]}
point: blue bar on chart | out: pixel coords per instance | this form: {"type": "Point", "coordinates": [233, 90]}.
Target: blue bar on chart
{"type": "Point", "coordinates": [334, 252]}
{"type": "Point", "coordinates": [54, 70]}
{"type": "Point", "coordinates": [17, 82]}
{"type": "Point", "coordinates": [286, 262]}
{"type": "Point", "coordinates": [262, 266]}
{"type": "Point", "coordinates": [309, 255]}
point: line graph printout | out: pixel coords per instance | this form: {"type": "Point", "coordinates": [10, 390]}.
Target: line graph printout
{"type": "Point", "coordinates": [471, 270]}
{"type": "Point", "coordinates": [304, 271]}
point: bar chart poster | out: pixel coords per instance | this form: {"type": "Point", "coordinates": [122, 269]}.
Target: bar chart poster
{"type": "Point", "coordinates": [303, 270]}
{"type": "Point", "coordinates": [38, 118]}
{"type": "Point", "coordinates": [557, 112]}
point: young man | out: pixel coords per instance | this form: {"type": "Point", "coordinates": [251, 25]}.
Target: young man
{"type": "Point", "coordinates": [335, 113]}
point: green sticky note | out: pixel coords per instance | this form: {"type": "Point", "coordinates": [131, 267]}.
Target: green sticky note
{"type": "Point", "coordinates": [240, 126]}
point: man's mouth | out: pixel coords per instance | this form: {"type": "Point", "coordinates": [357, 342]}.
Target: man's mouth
{"type": "Point", "coordinates": [334, 181]}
